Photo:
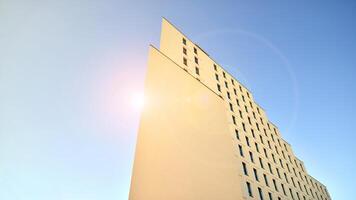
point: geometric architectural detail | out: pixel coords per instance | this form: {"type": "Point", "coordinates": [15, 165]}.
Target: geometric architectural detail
{"type": "Point", "coordinates": [202, 135]}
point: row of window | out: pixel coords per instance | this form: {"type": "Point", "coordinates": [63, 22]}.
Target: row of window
{"type": "Point", "coordinates": [196, 60]}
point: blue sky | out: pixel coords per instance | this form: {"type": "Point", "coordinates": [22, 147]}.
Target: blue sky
{"type": "Point", "coordinates": [68, 70]}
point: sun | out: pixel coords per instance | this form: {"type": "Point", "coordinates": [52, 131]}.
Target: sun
{"type": "Point", "coordinates": [138, 100]}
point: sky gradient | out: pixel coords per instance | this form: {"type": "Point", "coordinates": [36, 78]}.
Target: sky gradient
{"type": "Point", "coordinates": [69, 71]}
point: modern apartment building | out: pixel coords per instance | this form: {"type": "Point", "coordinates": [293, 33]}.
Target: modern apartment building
{"type": "Point", "coordinates": [202, 136]}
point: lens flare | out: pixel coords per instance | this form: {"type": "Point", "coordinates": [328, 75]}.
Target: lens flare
{"type": "Point", "coordinates": [138, 100]}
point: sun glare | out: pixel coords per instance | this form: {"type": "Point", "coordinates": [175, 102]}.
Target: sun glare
{"type": "Point", "coordinates": [138, 100]}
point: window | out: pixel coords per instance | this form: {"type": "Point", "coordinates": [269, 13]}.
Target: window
{"type": "Point", "coordinates": [255, 173]}
{"type": "Point", "coordinates": [185, 62]}
{"type": "Point", "coordinates": [247, 141]}
{"type": "Point", "coordinates": [270, 168]}
{"type": "Point", "coordinates": [184, 41]}
{"type": "Point", "coordinates": [185, 51]}
{"type": "Point", "coordinates": [237, 134]}
{"type": "Point", "coordinates": [219, 88]}
{"type": "Point", "coordinates": [291, 193]}
{"type": "Point", "coordinates": [243, 127]}
{"type": "Point", "coordinates": [231, 107]}
{"type": "Point", "coordinates": [217, 77]}
{"type": "Point", "coordinates": [226, 85]}
{"type": "Point", "coordinates": [235, 91]}
{"type": "Point", "coordinates": [215, 68]}
{"type": "Point", "coordinates": [261, 163]}
{"type": "Point", "coordinates": [244, 168]}
{"type": "Point", "coordinates": [266, 180]}
{"type": "Point", "coordinates": [196, 60]}
{"type": "Point", "coordinates": [195, 50]}
{"type": "Point", "coordinates": [249, 190]}
{"type": "Point", "coordinates": [256, 145]}
{"type": "Point", "coordinates": [241, 151]}
{"type": "Point", "coordinates": [224, 75]}
{"type": "Point", "coordinates": [260, 193]}
{"type": "Point", "coordinates": [240, 114]}
{"type": "Point", "coordinates": [251, 157]}
{"type": "Point", "coordinates": [197, 70]}
{"type": "Point", "coordinates": [233, 119]}
{"type": "Point", "coordinates": [284, 191]}
{"type": "Point", "coordinates": [237, 102]}
{"type": "Point", "coordinates": [228, 95]}
{"type": "Point", "coordinates": [270, 196]}
{"type": "Point", "coordinates": [232, 81]}
{"type": "Point", "coordinates": [275, 185]}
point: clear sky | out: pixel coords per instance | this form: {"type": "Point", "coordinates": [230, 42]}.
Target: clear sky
{"type": "Point", "coordinates": [70, 69]}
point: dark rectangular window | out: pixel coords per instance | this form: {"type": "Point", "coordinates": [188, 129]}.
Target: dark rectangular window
{"type": "Point", "coordinates": [243, 127]}
{"type": "Point", "coordinates": [185, 62]}
{"type": "Point", "coordinates": [184, 41]}
{"type": "Point", "coordinates": [185, 51]}
{"type": "Point", "coordinates": [195, 50]}
{"type": "Point", "coordinates": [241, 151]}
{"type": "Point", "coordinates": [217, 77]}
{"type": "Point", "coordinates": [244, 168]}
{"type": "Point", "coordinates": [275, 185]}
{"type": "Point", "coordinates": [234, 119]}
{"type": "Point", "coordinates": [231, 107]}
{"type": "Point", "coordinates": [249, 190]}
{"type": "Point", "coordinates": [270, 196]}
{"type": "Point", "coordinates": [251, 157]}
{"type": "Point", "coordinates": [261, 163]}
{"type": "Point", "coordinates": [224, 75]}
{"type": "Point", "coordinates": [197, 70]}
{"type": "Point", "coordinates": [196, 60]}
{"type": "Point", "coordinates": [219, 88]}
{"type": "Point", "coordinates": [260, 193]}
{"type": "Point", "coordinates": [232, 81]}
{"type": "Point", "coordinates": [266, 180]}
{"type": "Point", "coordinates": [237, 134]}
{"type": "Point", "coordinates": [247, 141]}
{"type": "Point", "coordinates": [215, 68]}
{"type": "Point", "coordinates": [255, 173]}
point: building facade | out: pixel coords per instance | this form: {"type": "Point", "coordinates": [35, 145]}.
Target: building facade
{"type": "Point", "coordinates": [202, 135]}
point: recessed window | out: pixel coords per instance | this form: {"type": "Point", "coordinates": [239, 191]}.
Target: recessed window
{"type": "Point", "coordinates": [249, 190]}
{"type": "Point", "coordinates": [196, 60]}
{"type": "Point", "coordinates": [251, 157]}
{"type": "Point", "coordinates": [185, 51]}
{"type": "Point", "coordinates": [247, 141]}
{"type": "Point", "coordinates": [217, 77]}
{"type": "Point", "coordinates": [224, 75]}
{"type": "Point", "coordinates": [266, 180]}
{"type": "Point", "coordinates": [185, 62]}
{"type": "Point", "coordinates": [184, 41]}
{"type": "Point", "coordinates": [261, 163]}
{"type": "Point", "coordinates": [226, 85]}
{"type": "Point", "coordinates": [237, 134]}
{"type": "Point", "coordinates": [195, 50]}
{"type": "Point", "coordinates": [275, 185]}
{"type": "Point", "coordinates": [255, 174]}
{"type": "Point", "coordinates": [232, 81]}
{"type": "Point", "coordinates": [219, 88]}
{"type": "Point", "coordinates": [241, 151]}
{"type": "Point", "coordinates": [197, 70]}
{"type": "Point", "coordinates": [215, 68]}
{"type": "Point", "coordinates": [231, 107]}
{"type": "Point", "coordinates": [260, 193]}
{"type": "Point", "coordinates": [234, 119]}
{"type": "Point", "coordinates": [244, 168]}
